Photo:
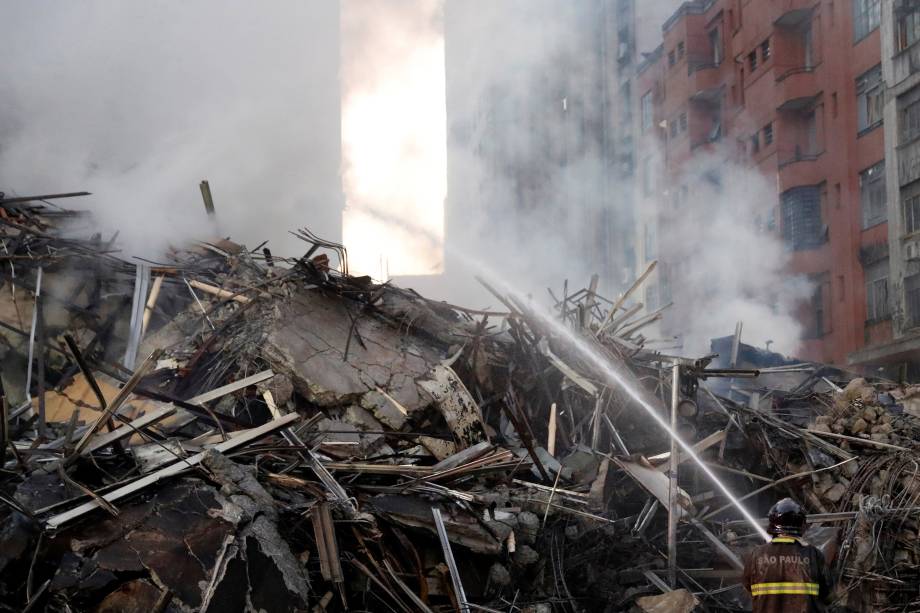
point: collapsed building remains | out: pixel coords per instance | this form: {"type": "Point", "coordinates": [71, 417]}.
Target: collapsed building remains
{"type": "Point", "coordinates": [236, 431]}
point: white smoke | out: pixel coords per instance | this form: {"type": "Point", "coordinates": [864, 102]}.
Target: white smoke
{"type": "Point", "coordinates": [139, 101]}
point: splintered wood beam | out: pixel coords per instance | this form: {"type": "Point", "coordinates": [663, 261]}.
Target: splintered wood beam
{"type": "Point", "coordinates": [244, 438]}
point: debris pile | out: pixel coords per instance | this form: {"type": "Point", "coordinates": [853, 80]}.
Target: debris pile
{"type": "Point", "coordinates": [234, 430]}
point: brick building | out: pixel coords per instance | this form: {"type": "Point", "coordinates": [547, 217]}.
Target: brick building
{"type": "Point", "coordinates": [793, 89]}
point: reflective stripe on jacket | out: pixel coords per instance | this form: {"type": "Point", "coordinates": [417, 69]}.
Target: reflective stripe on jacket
{"type": "Point", "coordinates": [787, 576]}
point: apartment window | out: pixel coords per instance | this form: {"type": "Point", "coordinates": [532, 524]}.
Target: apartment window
{"type": "Point", "coordinates": [869, 99]}
{"type": "Point", "coordinates": [768, 134]}
{"type": "Point", "coordinates": [752, 60]}
{"type": "Point", "coordinates": [801, 217]}
{"type": "Point", "coordinates": [765, 50]}
{"type": "Point", "coordinates": [867, 14]}
{"type": "Point", "coordinates": [671, 60]}
{"type": "Point", "coordinates": [820, 299]}
{"type": "Point", "coordinates": [811, 133]}
{"type": "Point", "coordinates": [834, 105]}
{"type": "Point", "coordinates": [680, 50]}
{"type": "Point", "coordinates": [872, 195]}
{"type": "Point", "coordinates": [645, 108]}
{"type": "Point", "coordinates": [755, 142]}
{"type": "Point", "coordinates": [908, 27]}
{"type": "Point", "coordinates": [715, 44]}
{"type": "Point", "coordinates": [912, 299]}
{"type": "Point", "coordinates": [912, 214]}
{"type": "Point", "coordinates": [808, 43]}
{"type": "Point", "coordinates": [877, 307]}
{"type": "Point", "coordinates": [910, 122]}
{"type": "Point", "coordinates": [683, 122]}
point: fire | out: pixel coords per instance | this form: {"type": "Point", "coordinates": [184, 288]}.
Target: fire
{"type": "Point", "coordinates": [393, 136]}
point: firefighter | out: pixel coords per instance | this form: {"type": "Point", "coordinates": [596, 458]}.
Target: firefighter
{"type": "Point", "coordinates": [786, 575]}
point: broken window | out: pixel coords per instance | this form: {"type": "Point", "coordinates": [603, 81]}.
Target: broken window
{"type": "Point", "coordinates": [765, 50]}
{"type": "Point", "coordinates": [672, 128]}
{"type": "Point", "coordinates": [752, 60]}
{"type": "Point", "coordinates": [872, 195]}
{"type": "Point", "coordinates": [877, 307]}
{"type": "Point", "coordinates": [755, 142]}
{"type": "Point", "coordinates": [680, 50]}
{"type": "Point", "coordinates": [646, 109]}
{"type": "Point", "coordinates": [912, 299]}
{"type": "Point", "coordinates": [768, 134]}
{"type": "Point", "coordinates": [908, 26]}
{"type": "Point", "coordinates": [683, 122]}
{"type": "Point", "coordinates": [910, 121]}
{"type": "Point", "coordinates": [671, 60]}
{"type": "Point", "coordinates": [801, 217]}
{"type": "Point", "coordinates": [867, 14]}
{"type": "Point", "coordinates": [869, 99]}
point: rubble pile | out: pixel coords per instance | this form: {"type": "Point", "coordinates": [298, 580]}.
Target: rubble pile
{"type": "Point", "coordinates": [231, 430]}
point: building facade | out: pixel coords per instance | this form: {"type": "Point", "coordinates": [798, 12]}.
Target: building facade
{"type": "Point", "coordinates": [794, 90]}
{"type": "Point", "coordinates": [900, 35]}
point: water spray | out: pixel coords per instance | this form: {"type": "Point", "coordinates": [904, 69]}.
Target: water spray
{"type": "Point", "coordinates": [602, 363]}
{"type": "Point", "coordinates": [584, 349]}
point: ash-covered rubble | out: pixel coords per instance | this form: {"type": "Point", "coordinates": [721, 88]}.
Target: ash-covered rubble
{"type": "Point", "coordinates": [231, 430]}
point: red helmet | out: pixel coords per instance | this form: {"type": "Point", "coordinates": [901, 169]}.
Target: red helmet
{"type": "Point", "coordinates": [787, 517]}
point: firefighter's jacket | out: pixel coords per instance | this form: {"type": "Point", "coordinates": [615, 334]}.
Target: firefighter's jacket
{"type": "Point", "coordinates": [787, 576]}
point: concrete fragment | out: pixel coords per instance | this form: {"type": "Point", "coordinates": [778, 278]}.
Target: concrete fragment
{"type": "Point", "coordinates": [677, 601]}
{"type": "Point", "coordinates": [859, 425]}
{"type": "Point", "coordinates": [456, 404]}
{"type": "Point", "coordinates": [834, 493]}
{"type": "Point", "coordinates": [499, 575]}
{"type": "Point", "coordinates": [526, 555]}
{"type": "Point", "coordinates": [528, 527]}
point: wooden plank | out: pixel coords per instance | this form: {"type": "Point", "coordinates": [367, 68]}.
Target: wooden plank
{"type": "Point", "coordinates": [173, 469]}
{"type": "Point", "coordinates": [632, 288]}
{"type": "Point", "coordinates": [232, 387]}
{"type": "Point", "coordinates": [220, 293]}
{"type": "Point", "coordinates": [127, 430]}
{"type": "Point", "coordinates": [120, 399]}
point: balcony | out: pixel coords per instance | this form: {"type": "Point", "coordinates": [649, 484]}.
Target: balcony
{"type": "Point", "coordinates": [798, 167]}
{"type": "Point", "coordinates": [705, 80]}
{"type": "Point", "coordinates": [791, 13]}
{"type": "Point", "coordinates": [796, 88]}
{"type": "Point", "coordinates": [905, 63]}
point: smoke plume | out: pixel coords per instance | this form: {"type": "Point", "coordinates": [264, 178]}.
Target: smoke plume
{"type": "Point", "coordinates": [139, 101]}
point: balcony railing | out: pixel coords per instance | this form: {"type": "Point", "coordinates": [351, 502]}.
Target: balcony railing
{"type": "Point", "coordinates": [782, 76]}
{"type": "Point", "coordinates": [697, 65]}
{"type": "Point", "coordinates": [791, 157]}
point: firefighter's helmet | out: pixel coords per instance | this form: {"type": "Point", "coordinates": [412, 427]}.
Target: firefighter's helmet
{"type": "Point", "coordinates": [787, 517]}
